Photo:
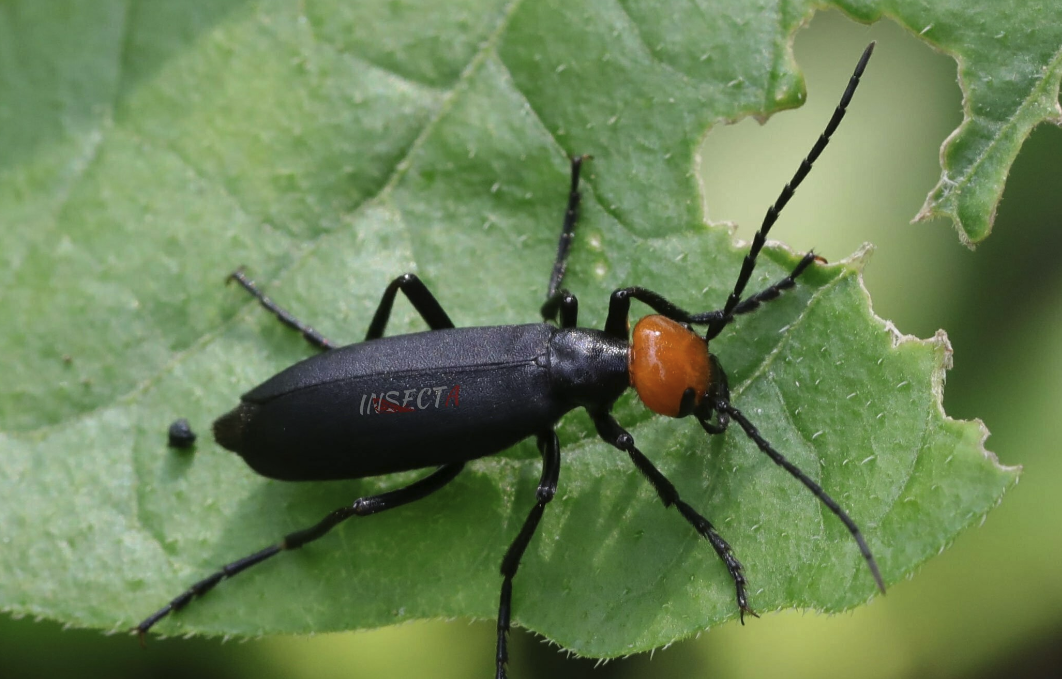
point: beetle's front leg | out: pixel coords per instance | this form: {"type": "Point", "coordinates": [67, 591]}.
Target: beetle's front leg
{"type": "Point", "coordinates": [613, 433]}
{"type": "Point", "coordinates": [564, 244]}
{"type": "Point", "coordinates": [547, 488]}
{"type": "Point", "coordinates": [619, 308]}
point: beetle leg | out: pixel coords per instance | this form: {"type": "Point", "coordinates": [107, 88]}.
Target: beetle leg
{"type": "Point", "coordinates": [361, 507]}
{"type": "Point", "coordinates": [312, 336]}
{"type": "Point", "coordinates": [713, 428]}
{"type": "Point", "coordinates": [613, 433]}
{"type": "Point", "coordinates": [619, 304]}
{"type": "Point", "coordinates": [419, 296]}
{"type": "Point", "coordinates": [547, 488]}
{"type": "Point", "coordinates": [567, 304]}
{"type": "Point", "coordinates": [557, 298]}
{"type": "Point", "coordinates": [619, 307]}
{"type": "Point", "coordinates": [564, 244]}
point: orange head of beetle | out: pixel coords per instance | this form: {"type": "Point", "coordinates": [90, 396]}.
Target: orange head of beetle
{"type": "Point", "coordinates": [667, 359]}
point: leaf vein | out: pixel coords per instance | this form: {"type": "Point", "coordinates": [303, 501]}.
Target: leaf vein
{"type": "Point", "coordinates": [923, 443]}
{"type": "Point", "coordinates": [769, 359]}
{"type": "Point", "coordinates": [362, 59]}
{"type": "Point", "coordinates": [584, 181]}
{"type": "Point", "coordinates": [788, 415]}
{"type": "Point", "coordinates": [637, 32]}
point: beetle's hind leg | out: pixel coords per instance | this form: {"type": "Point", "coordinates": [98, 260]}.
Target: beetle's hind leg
{"type": "Point", "coordinates": [547, 488]}
{"type": "Point", "coordinates": [315, 338]}
{"type": "Point", "coordinates": [614, 434]}
{"type": "Point", "coordinates": [362, 507]}
{"type": "Point", "coordinates": [418, 295]}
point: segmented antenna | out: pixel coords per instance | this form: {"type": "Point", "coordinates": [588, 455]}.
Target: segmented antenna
{"type": "Point", "coordinates": [787, 192]}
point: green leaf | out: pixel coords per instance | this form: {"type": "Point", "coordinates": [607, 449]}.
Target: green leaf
{"type": "Point", "coordinates": [147, 150]}
{"type": "Point", "coordinates": [1010, 66]}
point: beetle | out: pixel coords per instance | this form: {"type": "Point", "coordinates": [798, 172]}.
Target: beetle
{"type": "Point", "coordinates": [372, 408]}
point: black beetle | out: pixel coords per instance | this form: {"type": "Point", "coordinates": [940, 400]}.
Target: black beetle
{"type": "Point", "coordinates": [472, 392]}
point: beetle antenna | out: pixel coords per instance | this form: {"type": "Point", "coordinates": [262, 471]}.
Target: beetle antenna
{"type": "Point", "coordinates": [816, 489]}
{"type": "Point", "coordinates": [787, 192]}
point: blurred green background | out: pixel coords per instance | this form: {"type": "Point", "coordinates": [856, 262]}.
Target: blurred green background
{"type": "Point", "coordinates": [989, 606]}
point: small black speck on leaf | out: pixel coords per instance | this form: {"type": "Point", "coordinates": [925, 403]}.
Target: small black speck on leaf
{"type": "Point", "coordinates": [181, 434]}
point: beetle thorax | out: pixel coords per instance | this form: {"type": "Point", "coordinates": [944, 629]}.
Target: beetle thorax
{"type": "Point", "coordinates": [666, 359]}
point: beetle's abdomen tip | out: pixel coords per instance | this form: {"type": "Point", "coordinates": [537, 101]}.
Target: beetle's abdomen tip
{"type": "Point", "coordinates": [230, 427]}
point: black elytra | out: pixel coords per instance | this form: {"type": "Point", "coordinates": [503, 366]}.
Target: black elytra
{"type": "Point", "coordinates": [472, 392]}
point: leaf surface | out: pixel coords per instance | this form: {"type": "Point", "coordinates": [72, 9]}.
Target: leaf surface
{"type": "Point", "coordinates": [333, 150]}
